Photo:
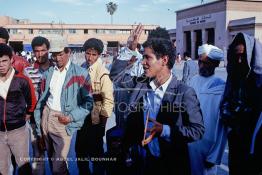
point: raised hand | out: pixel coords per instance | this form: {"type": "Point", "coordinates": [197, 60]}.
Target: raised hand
{"type": "Point", "coordinates": [133, 39]}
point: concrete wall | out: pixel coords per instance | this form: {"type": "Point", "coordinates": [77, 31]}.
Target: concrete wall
{"type": "Point", "coordinates": [220, 14]}
{"type": "Point", "coordinates": [215, 20]}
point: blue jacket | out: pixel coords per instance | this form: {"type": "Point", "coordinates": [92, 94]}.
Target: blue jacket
{"type": "Point", "coordinates": [76, 99]}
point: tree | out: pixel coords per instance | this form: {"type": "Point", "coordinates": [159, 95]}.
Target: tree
{"type": "Point", "coordinates": [159, 33]}
{"type": "Point", "coordinates": [111, 8]}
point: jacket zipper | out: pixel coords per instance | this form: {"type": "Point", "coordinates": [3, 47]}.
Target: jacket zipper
{"type": "Point", "coordinates": [5, 115]}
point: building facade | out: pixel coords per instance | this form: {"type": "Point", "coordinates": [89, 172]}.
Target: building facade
{"type": "Point", "coordinates": [217, 23]}
{"type": "Point", "coordinates": [22, 31]}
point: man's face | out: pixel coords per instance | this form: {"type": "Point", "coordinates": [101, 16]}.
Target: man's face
{"type": "Point", "coordinates": [239, 51]}
{"type": "Point", "coordinates": [5, 64]}
{"type": "Point", "coordinates": [61, 58]}
{"type": "Point", "coordinates": [41, 53]}
{"type": "Point", "coordinates": [151, 65]}
{"type": "Point", "coordinates": [3, 41]}
{"type": "Point", "coordinates": [91, 56]}
{"type": "Point", "coordinates": [206, 68]}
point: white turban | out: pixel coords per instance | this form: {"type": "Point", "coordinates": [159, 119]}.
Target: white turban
{"type": "Point", "coordinates": [211, 51]}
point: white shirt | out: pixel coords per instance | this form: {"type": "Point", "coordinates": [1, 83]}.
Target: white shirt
{"type": "Point", "coordinates": [4, 85]}
{"type": "Point", "coordinates": [56, 87]}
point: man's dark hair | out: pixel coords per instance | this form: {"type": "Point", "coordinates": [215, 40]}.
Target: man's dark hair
{"type": "Point", "coordinates": [4, 34]}
{"type": "Point", "coordinates": [67, 50]}
{"type": "Point", "coordinates": [39, 41]}
{"type": "Point", "coordinates": [162, 47]}
{"type": "Point", "coordinates": [187, 54]}
{"type": "Point", "coordinates": [95, 44]}
{"type": "Point", "coordinates": [5, 50]}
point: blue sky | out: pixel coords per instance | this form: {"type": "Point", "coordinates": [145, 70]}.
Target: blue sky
{"type": "Point", "coordinates": [160, 12]}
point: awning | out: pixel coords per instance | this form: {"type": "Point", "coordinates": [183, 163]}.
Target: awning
{"type": "Point", "coordinates": [28, 48]}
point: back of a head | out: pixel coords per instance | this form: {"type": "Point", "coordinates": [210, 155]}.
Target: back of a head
{"type": "Point", "coordinates": [4, 34]}
{"type": "Point", "coordinates": [186, 54]}
{"type": "Point", "coordinates": [162, 47]}
{"type": "Point", "coordinates": [95, 44]}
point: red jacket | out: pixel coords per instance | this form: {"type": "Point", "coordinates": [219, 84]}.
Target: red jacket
{"type": "Point", "coordinates": [19, 63]}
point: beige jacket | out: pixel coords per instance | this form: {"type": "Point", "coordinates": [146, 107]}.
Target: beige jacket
{"type": "Point", "coordinates": [102, 91]}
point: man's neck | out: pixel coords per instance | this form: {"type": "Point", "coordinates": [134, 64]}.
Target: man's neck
{"type": "Point", "coordinates": [4, 77]}
{"type": "Point", "coordinates": [44, 66]}
{"type": "Point", "coordinates": [162, 77]}
{"type": "Point", "coordinates": [63, 67]}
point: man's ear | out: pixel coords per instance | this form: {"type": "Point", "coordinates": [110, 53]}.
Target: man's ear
{"type": "Point", "coordinates": [165, 59]}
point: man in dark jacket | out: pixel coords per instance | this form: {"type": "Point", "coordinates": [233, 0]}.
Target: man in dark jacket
{"type": "Point", "coordinates": [242, 104]}
{"type": "Point", "coordinates": [163, 115]}
{"type": "Point", "coordinates": [17, 102]}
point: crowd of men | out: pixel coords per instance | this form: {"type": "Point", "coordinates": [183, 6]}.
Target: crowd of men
{"type": "Point", "coordinates": [168, 126]}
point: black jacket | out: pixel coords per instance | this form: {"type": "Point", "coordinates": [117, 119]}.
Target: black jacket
{"type": "Point", "coordinates": [20, 100]}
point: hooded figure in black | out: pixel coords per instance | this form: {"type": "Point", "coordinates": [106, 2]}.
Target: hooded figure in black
{"type": "Point", "coordinates": [242, 105]}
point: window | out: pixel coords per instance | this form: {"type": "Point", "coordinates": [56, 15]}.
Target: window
{"type": "Point", "coordinates": [50, 31]}
{"type": "Point", "coordinates": [147, 32]}
{"type": "Point", "coordinates": [30, 31]}
{"type": "Point", "coordinates": [106, 31]}
{"type": "Point", "coordinates": [72, 31]}
{"type": "Point", "coordinates": [13, 31]}
{"type": "Point", "coordinates": [85, 31]}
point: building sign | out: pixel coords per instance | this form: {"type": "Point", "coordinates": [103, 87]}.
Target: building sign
{"type": "Point", "coordinates": [198, 20]}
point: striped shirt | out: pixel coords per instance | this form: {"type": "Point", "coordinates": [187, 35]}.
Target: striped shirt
{"type": "Point", "coordinates": [35, 73]}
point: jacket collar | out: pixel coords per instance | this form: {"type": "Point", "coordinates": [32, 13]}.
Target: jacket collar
{"type": "Point", "coordinates": [170, 91]}
{"type": "Point", "coordinates": [95, 65]}
{"type": "Point", "coordinates": [145, 87]}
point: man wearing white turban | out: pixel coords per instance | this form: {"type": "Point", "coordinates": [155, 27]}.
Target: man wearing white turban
{"type": "Point", "coordinates": [207, 152]}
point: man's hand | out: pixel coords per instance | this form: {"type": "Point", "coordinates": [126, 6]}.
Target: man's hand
{"type": "Point", "coordinates": [63, 119]}
{"type": "Point", "coordinates": [133, 39]}
{"type": "Point", "coordinates": [132, 61]}
{"type": "Point", "coordinates": [155, 131]}
{"type": "Point", "coordinates": [27, 117]}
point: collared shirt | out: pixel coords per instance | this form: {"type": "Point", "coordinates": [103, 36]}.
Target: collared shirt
{"type": "Point", "coordinates": [56, 86]}
{"type": "Point", "coordinates": [152, 102]}
{"type": "Point", "coordinates": [4, 85]}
